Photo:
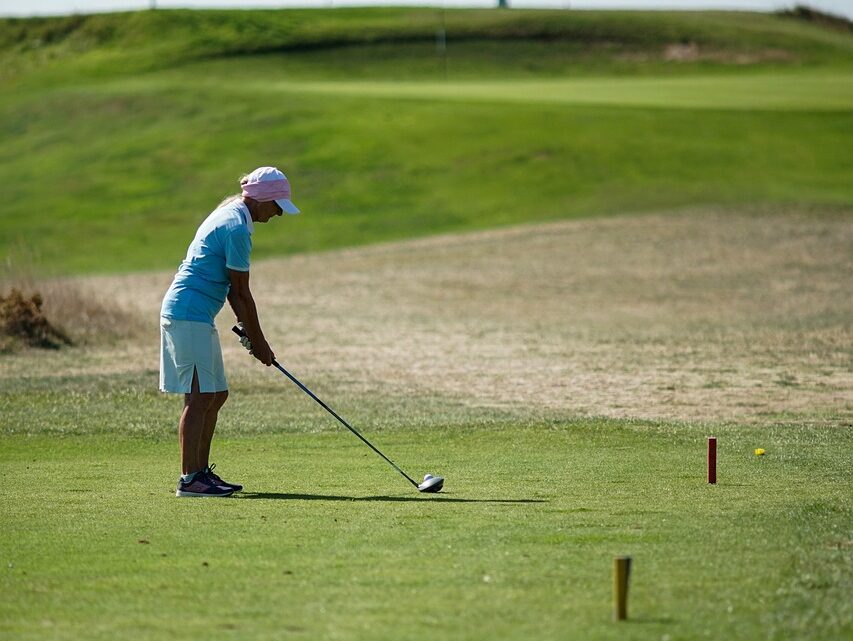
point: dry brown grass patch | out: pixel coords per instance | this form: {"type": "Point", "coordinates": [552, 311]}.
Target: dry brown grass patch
{"type": "Point", "coordinates": [69, 312]}
{"type": "Point", "coordinates": [22, 319]}
{"type": "Point", "coordinates": [700, 316]}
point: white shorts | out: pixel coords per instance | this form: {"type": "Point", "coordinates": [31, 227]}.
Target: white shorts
{"type": "Point", "coordinates": [188, 346]}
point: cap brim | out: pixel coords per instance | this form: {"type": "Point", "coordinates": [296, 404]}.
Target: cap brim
{"type": "Point", "coordinates": [287, 206]}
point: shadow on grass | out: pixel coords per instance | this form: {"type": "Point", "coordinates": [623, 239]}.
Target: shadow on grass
{"type": "Point", "coordinates": [279, 496]}
{"type": "Point", "coordinates": [658, 620]}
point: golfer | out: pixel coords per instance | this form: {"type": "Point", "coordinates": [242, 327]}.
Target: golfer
{"type": "Point", "coordinates": [216, 268]}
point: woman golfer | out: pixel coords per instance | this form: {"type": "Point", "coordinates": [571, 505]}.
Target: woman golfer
{"type": "Point", "coordinates": [216, 268]}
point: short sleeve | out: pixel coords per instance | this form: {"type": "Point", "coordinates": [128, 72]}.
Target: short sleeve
{"type": "Point", "coordinates": [237, 250]}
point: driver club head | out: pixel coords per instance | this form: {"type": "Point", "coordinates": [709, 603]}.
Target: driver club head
{"type": "Point", "coordinates": [431, 484]}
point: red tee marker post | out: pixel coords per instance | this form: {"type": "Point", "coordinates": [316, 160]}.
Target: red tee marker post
{"type": "Point", "coordinates": [712, 459]}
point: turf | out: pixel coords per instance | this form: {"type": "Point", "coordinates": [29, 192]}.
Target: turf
{"type": "Point", "coordinates": [368, 169]}
{"type": "Point", "coordinates": [798, 91]}
{"type": "Point", "coordinates": [402, 41]}
{"type": "Point", "coordinates": [328, 542]}
{"type": "Point", "coordinates": [470, 357]}
{"type": "Point", "coordinates": [126, 130]}
{"type": "Point", "coordinates": [486, 358]}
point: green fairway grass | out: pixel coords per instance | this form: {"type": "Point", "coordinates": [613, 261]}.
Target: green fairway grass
{"type": "Point", "coordinates": [328, 542]}
{"type": "Point", "coordinates": [803, 91]}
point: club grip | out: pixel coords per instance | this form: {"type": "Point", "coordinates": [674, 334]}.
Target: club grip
{"type": "Point", "coordinates": [238, 331]}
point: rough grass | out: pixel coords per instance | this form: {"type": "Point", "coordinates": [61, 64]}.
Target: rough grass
{"type": "Point", "coordinates": [22, 319]}
{"type": "Point", "coordinates": [697, 316]}
{"type": "Point", "coordinates": [386, 140]}
{"type": "Point", "coordinates": [78, 312]}
{"type": "Point", "coordinates": [364, 170]}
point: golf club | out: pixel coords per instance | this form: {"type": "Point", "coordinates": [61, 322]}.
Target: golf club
{"type": "Point", "coordinates": [430, 483]}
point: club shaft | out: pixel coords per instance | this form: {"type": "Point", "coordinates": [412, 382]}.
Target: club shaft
{"type": "Point", "coordinates": [296, 381]}
{"type": "Point", "coordinates": [342, 421]}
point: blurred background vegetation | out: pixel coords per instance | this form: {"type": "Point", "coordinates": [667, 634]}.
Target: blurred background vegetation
{"type": "Point", "coordinates": [120, 132]}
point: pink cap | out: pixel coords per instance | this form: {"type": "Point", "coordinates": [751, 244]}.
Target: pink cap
{"type": "Point", "coordinates": [266, 184]}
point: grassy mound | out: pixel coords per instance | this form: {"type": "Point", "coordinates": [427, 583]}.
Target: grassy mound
{"type": "Point", "coordinates": [486, 39]}
{"type": "Point", "coordinates": [124, 130]}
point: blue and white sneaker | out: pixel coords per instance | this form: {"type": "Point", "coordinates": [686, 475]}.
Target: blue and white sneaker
{"type": "Point", "coordinates": [202, 485]}
{"type": "Point", "coordinates": [234, 487]}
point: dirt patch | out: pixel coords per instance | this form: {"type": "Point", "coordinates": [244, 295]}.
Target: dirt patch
{"type": "Point", "coordinates": [681, 52]}
{"type": "Point", "coordinates": [22, 319]}
{"type": "Point", "coordinates": [81, 314]}
{"type": "Point", "coordinates": [691, 52]}
{"type": "Point", "coordinates": [698, 316]}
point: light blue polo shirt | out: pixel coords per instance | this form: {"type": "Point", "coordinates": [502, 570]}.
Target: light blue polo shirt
{"type": "Point", "coordinates": [222, 242]}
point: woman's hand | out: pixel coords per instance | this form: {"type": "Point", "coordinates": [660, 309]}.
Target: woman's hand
{"type": "Point", "coordinates": [263, 353]}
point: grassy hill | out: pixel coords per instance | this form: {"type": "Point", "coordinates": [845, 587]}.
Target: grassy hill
{"type": "Point", "coordinates": [481, 41]}
{"type": "Point", "coordinates": [121, 131]}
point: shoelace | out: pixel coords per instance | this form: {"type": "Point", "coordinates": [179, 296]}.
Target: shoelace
{"type": "Point", "coordinates": [213, 475]}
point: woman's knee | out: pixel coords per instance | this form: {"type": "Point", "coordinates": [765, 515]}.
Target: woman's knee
{"type": "Point", "coordinates": [199, 403]}
{"type": "Point", "coordinates": [219, 399]}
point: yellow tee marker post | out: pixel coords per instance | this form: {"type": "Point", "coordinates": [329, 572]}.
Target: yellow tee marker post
{"type": "Point", "coordinates": [621, 574]}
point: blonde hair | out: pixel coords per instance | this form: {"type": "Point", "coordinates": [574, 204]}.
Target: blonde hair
{"type": "Point", "coordinates": [233, 197]}
{"type": "Point", "coordinates": [229, 199]}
